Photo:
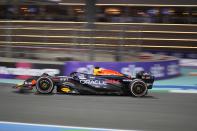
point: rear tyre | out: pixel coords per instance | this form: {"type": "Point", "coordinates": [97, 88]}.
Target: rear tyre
{"type": "Point", "coordinates": [138, 88]}
{"type": "Point", "coordinates": [44, 85]}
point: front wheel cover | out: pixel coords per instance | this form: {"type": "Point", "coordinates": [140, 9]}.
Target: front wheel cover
{"type": "Point", "coordinates": [44, 85]}
{"type": "Point", "coordinates": [138, 88]}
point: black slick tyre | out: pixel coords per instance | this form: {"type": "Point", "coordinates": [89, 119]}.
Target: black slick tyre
{"type": "Point", "coordinates": [44, 85]}
{"type": "Point", "coordinates": [138, 88]}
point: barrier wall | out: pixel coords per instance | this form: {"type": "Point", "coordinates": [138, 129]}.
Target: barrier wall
{"type": "Point", "coordinates": [160, 69]}
{"type": "Point", "coordinates": [18, 70]}
{"type": "Point", "coordinates": [24, 70]}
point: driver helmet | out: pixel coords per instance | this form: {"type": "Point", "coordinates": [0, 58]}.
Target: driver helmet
{"type": "Point", "coordinates": [97, 70]}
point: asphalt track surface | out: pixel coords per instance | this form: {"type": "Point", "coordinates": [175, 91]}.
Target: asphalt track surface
{"type": "Point", "coordinates": [156, 112]}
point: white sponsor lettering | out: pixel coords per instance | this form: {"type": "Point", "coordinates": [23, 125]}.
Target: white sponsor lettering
{"type": "Point", "coordinates": [131, 70]}
{"type": "Point", "coordinates": [92, 82]}
{"type": "Point", "coordinates": [64, 78]}
{"type": "Point", "coordinates": [172, 69]}
{"type": "Point", "coordinates": [157, 70]}
{"type": "Point", "coordinates": [81, 76]}
{"type": "Point", "coordinates": [87, 70]}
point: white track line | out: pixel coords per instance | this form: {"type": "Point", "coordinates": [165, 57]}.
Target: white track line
{"type": "Point", "coordinates": [184, 91]}
{"type": "Point", "coordinates": [60, 126]}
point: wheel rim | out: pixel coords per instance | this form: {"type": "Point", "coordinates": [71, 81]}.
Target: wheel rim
{"type": "Point", "coordinates": [138, 89]}
{"type": "Point", "coordinates": [44, 85]}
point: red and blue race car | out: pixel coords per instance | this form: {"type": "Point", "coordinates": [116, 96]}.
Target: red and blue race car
{"type": "Point", "coordinates": [102, 81]}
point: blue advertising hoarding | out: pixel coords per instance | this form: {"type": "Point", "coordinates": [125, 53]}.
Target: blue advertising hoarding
{"type": "Point", "coordinates": [160, 69]}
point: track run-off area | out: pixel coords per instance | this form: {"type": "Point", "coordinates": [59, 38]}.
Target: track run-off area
{"type": "Point", "coordinates": [159, 111]}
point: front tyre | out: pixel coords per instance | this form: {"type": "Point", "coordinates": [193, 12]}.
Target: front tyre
{"type": "Point", "coordinates": [44, 85]}
{"type": "Point", "coordinates": [138, 88]}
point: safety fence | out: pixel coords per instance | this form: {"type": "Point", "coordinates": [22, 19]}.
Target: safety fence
{"type": "Point", "coordinates": [39, 39]}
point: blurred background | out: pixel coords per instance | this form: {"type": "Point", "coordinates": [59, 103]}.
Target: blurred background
{"type": "Point", "coordinates": [97, 30]}
{"type": "Point", "coordinates": [61, 36]}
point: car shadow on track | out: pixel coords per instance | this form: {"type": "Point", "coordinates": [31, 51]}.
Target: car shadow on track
{"type": "Point", "coordinates": [88, 95]}
{"type": "Point", "coordinates": [110, 95]}
{"type": "Point", "coordinates": [21, 92]}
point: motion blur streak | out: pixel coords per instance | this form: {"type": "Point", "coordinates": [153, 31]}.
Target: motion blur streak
{"type": "Point", "coordinates": [146, 31]}
{"type": "Point", "coordinates": [145, 5]}
{"type": "Point", "coordinates": [61, 3]}
{"type": "Point", "coordinates": [85, 37]}
{"type": "Point", "coordinates": [108, 45]}
{"type": "Point", "coordinates": [99, 23]}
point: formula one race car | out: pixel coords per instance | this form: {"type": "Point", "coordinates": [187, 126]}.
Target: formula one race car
{"type": "Point", "coordinates": [102, 81]}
